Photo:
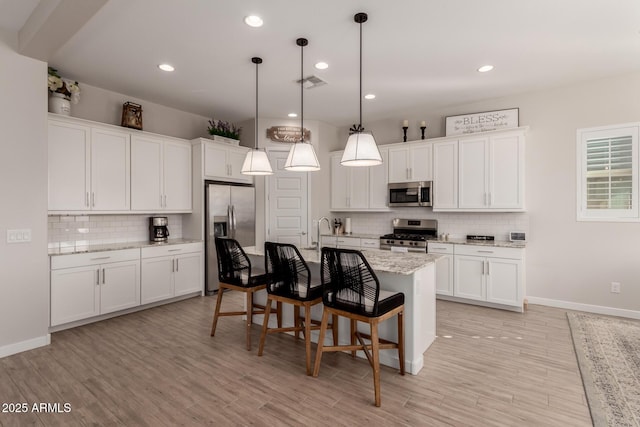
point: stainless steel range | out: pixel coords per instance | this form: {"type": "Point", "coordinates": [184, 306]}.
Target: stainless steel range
{"type": "Point", "coordinates": [410, 235]}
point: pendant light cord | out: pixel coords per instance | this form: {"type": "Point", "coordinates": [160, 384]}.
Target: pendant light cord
{"type": "Point", "coordinates": [256, 124]}
{"type": "Point", "coordinates": [360, 122]}
{"type": "Point", "coordinates": [301, 92]}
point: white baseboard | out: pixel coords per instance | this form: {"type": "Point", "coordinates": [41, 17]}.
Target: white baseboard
{"type": "Point", "coordinates": [598, 309]}
{"type": "Point", "coordinates": [21, 346]}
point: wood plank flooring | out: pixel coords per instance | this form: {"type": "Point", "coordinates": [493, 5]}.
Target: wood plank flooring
{"type": "Point", "coordinates": [160, 367]}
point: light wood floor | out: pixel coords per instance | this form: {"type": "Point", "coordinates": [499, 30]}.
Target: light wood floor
{"type": "Point", "coordinates": [160, 367]}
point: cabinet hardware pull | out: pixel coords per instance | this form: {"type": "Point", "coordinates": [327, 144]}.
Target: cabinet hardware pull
{"type": "Point", "coordinates": [177, 264]}
{"type": "Point", "coordinates": [93, 199]}
{"type": "Point", "coordinates": [442, 249]}
{"type": "Point", "coordinates": [487, 268]}
{"type": "Point", "coordinates": [98, 276]}
{"type": "Point", "coordinates": [174, 250]}
{"type": "Point", "coordinates": [486, 252]}
{"type": "Point", "coordinates": [490, 199]}
{"type": "Point", "coordinates": [173, 265]}
{"type": "Point", "coordinates": [102, 257]}
{"type": "Point", "coordinates": [161, 200]}
{"type": "Point", "coordinates": [104, 276]}
{"type": "Point", "coordinates": [86, 199]}
{"type": "Point", "coordinates": [483, 268]}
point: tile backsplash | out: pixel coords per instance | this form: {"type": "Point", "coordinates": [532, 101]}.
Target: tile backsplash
{"type": "Point", "coordinates": [68, 230]}
{"type": "Point", "coordinates": [457, 224]}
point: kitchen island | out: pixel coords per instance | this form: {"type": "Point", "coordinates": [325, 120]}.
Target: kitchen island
{"type": "Point", "coordinates": [410, 273]}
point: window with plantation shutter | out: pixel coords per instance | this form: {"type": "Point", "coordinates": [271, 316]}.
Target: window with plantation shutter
{"type": "Point", "coordinates": [608, 173]}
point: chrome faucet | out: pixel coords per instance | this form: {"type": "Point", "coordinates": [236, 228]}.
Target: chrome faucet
{"type": "Point", "coordinates": [318, 235]}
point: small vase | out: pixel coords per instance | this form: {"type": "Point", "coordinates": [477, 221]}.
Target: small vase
{"type": "Point", "coordinates": [59, 104]}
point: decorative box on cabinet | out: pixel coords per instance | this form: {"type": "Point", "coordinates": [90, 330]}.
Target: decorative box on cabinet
{"type": "Point", "coordinates": [171, 271]}
{"type": "Point", "coordinates": [88, 167]}
{"type": "Point", "coordinates": [160, 174]}
{"type": "Point", "coordinates": [410, 162]}
{"type": "Point", "coordinates": [89, 284]}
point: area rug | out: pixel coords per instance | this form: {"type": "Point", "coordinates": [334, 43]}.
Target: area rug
{"type": "Point", "coordinates": [608, 352]}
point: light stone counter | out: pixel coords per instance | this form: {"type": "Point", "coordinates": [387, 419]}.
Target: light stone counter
{"type": "Point", "coordinates": [77, 249]}
{"type": "Point", "coordinates": [492, 243]}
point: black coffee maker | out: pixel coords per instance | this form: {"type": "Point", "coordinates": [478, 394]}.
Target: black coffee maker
{"type": "Point", "coordinates": [158, 231]}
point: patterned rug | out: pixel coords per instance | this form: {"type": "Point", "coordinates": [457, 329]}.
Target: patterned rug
{"type": "Point", "coordinates": [608, 351]}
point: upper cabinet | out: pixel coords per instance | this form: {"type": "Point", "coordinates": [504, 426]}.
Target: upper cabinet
{"type": "Point", "coordinates": [161, 174]}
{"type": "Point", "coordinates": [224, 162]}
{"type": "Point", "coordinates": [89, 167]}
{"type": "Point", "coordinates": [358, 188]}
{"type": "Point", "coordinates": [99, 168]}
{"type": "Point", "coordinates": [480, 172]}
{"type": "Point", "coordinates": [410, 162]}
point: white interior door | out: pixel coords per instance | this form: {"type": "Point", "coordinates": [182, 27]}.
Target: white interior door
{"type": "Point", "coordinates": [287, 203]}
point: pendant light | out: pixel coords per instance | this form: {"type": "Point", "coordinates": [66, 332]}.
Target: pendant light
{"type": "Point", "coordinates": [302, 157]}
{"type": "Point", "coordinates": [256, 162]}
{"type": "Point", "coordinates": [361, 148]}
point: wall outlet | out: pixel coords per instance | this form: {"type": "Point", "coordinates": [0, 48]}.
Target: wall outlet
{"type": "Point", "coordinates": [615, 287]}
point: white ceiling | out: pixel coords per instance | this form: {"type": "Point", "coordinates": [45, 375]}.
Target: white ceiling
{"type": "Point", "coordinates": [418, 54]}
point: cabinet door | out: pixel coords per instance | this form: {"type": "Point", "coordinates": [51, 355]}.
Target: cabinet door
{"type": "Point", "coordinates": [215, 161]}
{"type": "Point", "coordinates": [504, 281]}
{"type": "Point", "coordinates": [110, 170]}
{"type": "Point", "coordinates": [68, 162]}
{"type": "Point", "coordinates": [444, 275]}
{"type": "Point", "coordinates": [146, 173]}
{"type": "Point", "coordinates": [74, 294]}
{"type": "Point", "coordinates": [156, 279]}
{"type": "Point", "coordinates": [119, 286]}
{"type": "Point", "coordinates": [177, 176]}
{"type": "Point", "coordinates": [398, 164]}
{"type": "Point", "coordinates": [506, 177]}
{"type": "Point", "coordinates": [188, 273]}
{"type": "Point", "coordinates": [339, 183]}
{"type": "Point", "coordinates": [358, 185]}
{"type": "Point", "coordinates": [469, 277]}
{"type": "Point", "coordinates": [235, 158]}
{"type": "Point", "coordinates": [378, 180]}
{"type": "Point", "coordinates": [445, 175]}
{"type": "Point", "coordinates": [421, 158]}
{"type": "Point", "coordinates": [474, 172]}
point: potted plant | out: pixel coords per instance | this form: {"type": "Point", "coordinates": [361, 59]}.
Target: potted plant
{"type": "Point", "coordinates": [62, 92]}
{"type": "Point", "coordinates": [224, 131]}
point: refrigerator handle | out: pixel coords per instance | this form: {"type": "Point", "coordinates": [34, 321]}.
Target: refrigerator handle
{"type": "Point", "coordinates": [233, 218]}
{"type": "Point", "coordinates": [229, 223]}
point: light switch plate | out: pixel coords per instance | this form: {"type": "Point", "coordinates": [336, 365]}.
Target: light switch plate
{"type": "Point", "coordinates": [19, 236]}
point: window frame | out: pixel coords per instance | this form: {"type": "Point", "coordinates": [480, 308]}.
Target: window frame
{"type": "Point", "coordinates": [606, 215]}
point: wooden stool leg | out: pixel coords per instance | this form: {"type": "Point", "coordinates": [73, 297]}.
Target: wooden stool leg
{"type": "Point", "coordinates": [323, 330]}
{"type": "Point", "coordinates": [401, 341]}
{"type": "Point", "coordinates": [265, 325]}
{"type": "Point", "coordinates": [296, 320]}
{"type": "Point", "coordinates": [334, 328]}
{"type": "Point", "coordinates": [352, 330]}
{"type": "Point", "coordinates": [216, 313]}
{"type": "Point", "coordinates": [249, 317]}
{"type": "Point", "coordinates": [375, 355]}
{"type": "Point", "coordinates": [279, 314]}
{"type": "Point", "coordinates": [307, 335]}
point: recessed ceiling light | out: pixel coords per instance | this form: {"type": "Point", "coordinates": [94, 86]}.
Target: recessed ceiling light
{"type": "Point", "coordinates": [166, 67]}
{"type": "Point", "coordinates": [292, 115]}
{"type": "Point", "coordinates": [253, 21]}
{"type": "Point", "coordinates": [485, 68]}
{"type": "Point", "coordinates": [369, 96]}
{"type": "Point", "coordinates": [322, 65]}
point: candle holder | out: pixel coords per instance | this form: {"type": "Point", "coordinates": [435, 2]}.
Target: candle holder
{"type": "Point", "coordinates": [404, 130]}
{"type": "Point", "coordinates": [422, 129]}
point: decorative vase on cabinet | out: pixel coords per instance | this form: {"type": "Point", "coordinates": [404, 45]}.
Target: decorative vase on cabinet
{"type": "Point", "coordinates": [59, 104]}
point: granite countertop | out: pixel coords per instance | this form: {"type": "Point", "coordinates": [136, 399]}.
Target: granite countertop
{"type": "Point", "coordinates": [77, 249]}
{"type": "Point", "coordinates": [492, 243]}
{"type": "Point", "coordinates": [405, 263]}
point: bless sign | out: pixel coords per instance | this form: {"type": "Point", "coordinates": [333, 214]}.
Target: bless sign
{"type": "Point", "coordinates": [482, 122]}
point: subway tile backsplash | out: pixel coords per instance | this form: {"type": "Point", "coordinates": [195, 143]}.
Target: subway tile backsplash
{"type": "Point", "coordinates": [69, 230]}
{"type": "Point", "coordinates": [457, 224]}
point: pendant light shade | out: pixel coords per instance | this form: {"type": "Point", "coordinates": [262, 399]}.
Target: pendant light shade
{"type": "Point", "coordinates": [302, 157]}
{"type": "Point", "coordinates": [361, 148]}
{"type": "Point", "coordinates": [256, 162]}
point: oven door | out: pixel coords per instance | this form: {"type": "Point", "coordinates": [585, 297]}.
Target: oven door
{"type": "Point", "coordinates": [404, 194]}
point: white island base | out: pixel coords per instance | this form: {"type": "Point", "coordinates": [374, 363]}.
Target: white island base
{"type": "Point", "coordinates": [418, 286]}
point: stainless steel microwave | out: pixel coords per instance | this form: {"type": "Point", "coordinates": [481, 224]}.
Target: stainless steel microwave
{"type": "Point", "coordinates": [410, 194]}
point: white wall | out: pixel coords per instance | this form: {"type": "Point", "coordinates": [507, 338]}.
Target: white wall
{"type": "Point", "coordinates": [567, 260]}
{"type": "Point", "coordinates": [24, 283]}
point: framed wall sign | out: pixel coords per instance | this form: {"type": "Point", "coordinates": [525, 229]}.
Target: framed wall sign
{"type": "Point", "coordinates": [287, 134]}
{"type": "Point", "coordinates": [482, 122]}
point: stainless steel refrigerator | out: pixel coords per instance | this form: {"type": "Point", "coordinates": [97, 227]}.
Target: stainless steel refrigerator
{"type": "Point", "coordinates": [230, 211]}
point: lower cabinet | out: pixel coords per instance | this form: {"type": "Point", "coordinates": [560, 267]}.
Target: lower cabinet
{"type": "Point", "coordinates": [171, 271]}
{"type": "Point", "coordinates": [444, 267]}
{"type": "Point", "coordinates": [90, 284]}
{"type": "Point", "coordinates": [349, 242]}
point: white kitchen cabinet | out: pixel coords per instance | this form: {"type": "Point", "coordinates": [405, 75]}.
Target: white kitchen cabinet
{"type": "Point", "coordinates": [90, 284]}
{"type": "Point", "coordinates": [410, 162]}
{"type": "Point", "coordinates": [358, 188]}
{"type": "Point", "coordinates": [172, 270]}
{"type": "Point", "coordinates": [491, 274]}
{"type": "Point", "coordinates": [224, 162]}
{"type": "Point", "coordinates": [491, 172]}
{"type": "Point", "coordinates": [445, 175]}
{"type": "Point", "coordinates": [444, 266]}
{"type": "Point", "coordinates": [160, 174]}
{"type": "Point", "coordinates": [89, 167]}
{"type": "Point", "coordinates": [348, 242]}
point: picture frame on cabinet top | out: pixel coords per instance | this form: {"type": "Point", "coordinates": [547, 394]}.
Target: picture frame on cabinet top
{"type": "Point", "coordinates": [132, 115]}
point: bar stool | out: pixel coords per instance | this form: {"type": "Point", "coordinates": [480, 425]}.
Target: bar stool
{"type": "Point", "coordinates": [291, 283]}
{"type": "Point", "coordinates": [351, 289]}
{"type": "Point", "coordinates": [235, 273]}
